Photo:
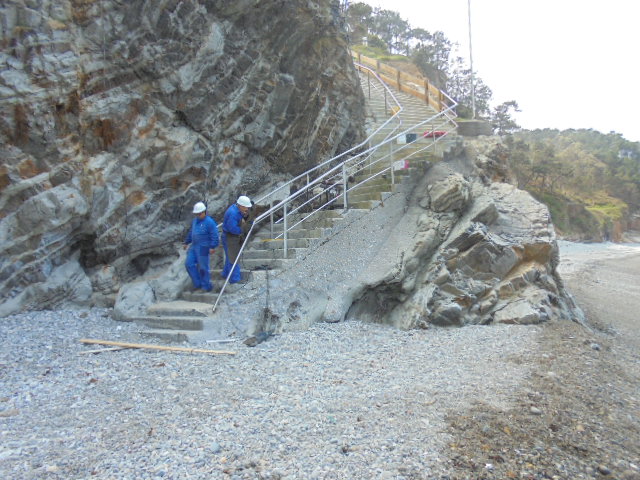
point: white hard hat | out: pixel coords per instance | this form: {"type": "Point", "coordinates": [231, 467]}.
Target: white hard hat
{"type": "Point", "coordinates": [244, 201]}
{"type": "Point", "coordinates": [199, 207]}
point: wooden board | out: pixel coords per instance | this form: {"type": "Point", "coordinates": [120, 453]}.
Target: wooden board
{"type": "Point", "coordinates": [155, 347]}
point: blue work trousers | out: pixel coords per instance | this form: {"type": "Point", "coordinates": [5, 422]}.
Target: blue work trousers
{"type": "Point", "coordinates": [197, 265]}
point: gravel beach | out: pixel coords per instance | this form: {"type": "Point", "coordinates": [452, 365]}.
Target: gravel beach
{"type": "Point", "coordinates": [346, 400]}
{"type": "Point", "coordinates": [338, 401]}
{"type": "Point", "coordinates": [578, 417]}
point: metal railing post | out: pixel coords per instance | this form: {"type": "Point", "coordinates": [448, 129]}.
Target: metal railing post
{"type": "Point", "coordinates": [284, 224]}
{"type": "Point", "coordinates": [271, 217]}
{"type": "Point", "coordinates": [345, 204]}
{"type": "Point", "coordinates": [386, 112]}
{"type": "Point", "coordinates": [393, 179]}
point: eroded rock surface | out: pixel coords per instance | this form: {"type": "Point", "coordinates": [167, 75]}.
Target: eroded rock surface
{"type": "Point", "coordinates": [482, 252]}
{"type": "Point", "coordinates": [115, 117]}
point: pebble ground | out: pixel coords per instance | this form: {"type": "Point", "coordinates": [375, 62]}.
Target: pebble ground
{"type": "Point", "coordinates": [348, 400]}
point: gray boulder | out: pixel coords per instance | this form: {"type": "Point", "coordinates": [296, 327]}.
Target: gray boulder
{"type": "Point", "coordinates": [66, 286]}
{"type": "Point", "coordinates": [132, 301]}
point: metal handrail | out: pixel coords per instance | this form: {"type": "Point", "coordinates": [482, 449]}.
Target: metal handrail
{"type": "Point", "coordinates": [360, 166]}
{"type": "Point", "coordinates": [306, 174]}
{"type": "Point", "coordinates": [347, 167]}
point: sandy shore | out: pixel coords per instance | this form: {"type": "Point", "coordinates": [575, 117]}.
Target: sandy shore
{"type": "Point", "coordinates": [605, 280]}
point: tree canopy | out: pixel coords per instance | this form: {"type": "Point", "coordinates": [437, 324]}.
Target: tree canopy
{"type": "Point", "coordinates": [431, 53]}
{"type": "Point", "coordinates": [599, 172]}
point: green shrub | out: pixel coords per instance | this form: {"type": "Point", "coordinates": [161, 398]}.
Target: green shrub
{"type": "Point", "coordinates": [570, 218]}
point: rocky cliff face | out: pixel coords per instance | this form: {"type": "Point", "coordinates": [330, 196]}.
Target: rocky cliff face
{"type": "Point", "coordinates": [115, 117]}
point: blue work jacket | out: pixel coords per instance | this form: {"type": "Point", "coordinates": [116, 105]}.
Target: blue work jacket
{"type": "Point", "coordinates": [203, 233]}
{"type": "Point", "coordinates": [232, 220]}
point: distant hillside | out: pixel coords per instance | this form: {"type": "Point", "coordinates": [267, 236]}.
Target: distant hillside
{"type": "Point", "coordinates": [589, 180]}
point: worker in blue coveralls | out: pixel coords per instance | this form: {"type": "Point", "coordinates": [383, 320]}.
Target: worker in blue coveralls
{"type": "Point", "coordinates": [203, 237]}
{"type": "Point", "coordinates": [232, 233]}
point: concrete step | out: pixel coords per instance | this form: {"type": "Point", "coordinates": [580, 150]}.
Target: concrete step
{"type": "Point", "coordinates": [329, 214]}
{"type": "Point", "coordinates": [170, 336]}
{"type": "Point", "coordinates": [413, 154]}
{"type": "Point", "coordinates": [378, 181]}
{"type": "Point", "coordinates": [409, 120]}
{"type": "Point", "coordinates": [293, 218]}
{"type": "Point", "coordinates": [179, 308]}
{"type": "Point", "coordinates": [209, 298]}
{"type": "Point", "coordinates": [400, 141]}
{"type": "Point", "coordinates": [190, 323]}
{"type": "Point", "coordinates": [365, 204]}
{"type": "Point", "coordinates": [273, 244]}
{"type": "Point", "coordinates": [408, 116]}
{"type": "Point", "coordinates": [189, 295]}
{"type": "Point", "coordinates": [366, 188]}
{"type": "Point", "coordinates": [258, 263]}
{"type": "Point", "coordinates": [176, 321]}
{"type": "Point", "coordinates": [319, 222]}
{"type": "Point", "coordinates": [295, 233]}
{"type": "Point", "coordinates": [321, 219]}
{"type": "Point", "coordinates": [245, 276]}
{"type": "Point", "coordinates": [266, 229]}
{"type": "Point", "coordinates": [419, 161]}
{"type": "Point", "coordinates": [417, 144]}
{"type": "Point", "coordinates": [385, 174]}
{"type": "Point", "coordinates": [355, 198]}
{"type": "Point", "coordinates": [407, 103]}
{"type": "Point", "coordinates": [384, 157]}
{"type": "Point", "coordinates": [299, 231]}
{"type": "Point", "coordinates": [417, 123]}
{"type": "Point", "coordinates": [273, 253]}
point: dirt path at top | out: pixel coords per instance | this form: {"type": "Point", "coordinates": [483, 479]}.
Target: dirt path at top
{"type": "Point", "coordinates": [579, 417]}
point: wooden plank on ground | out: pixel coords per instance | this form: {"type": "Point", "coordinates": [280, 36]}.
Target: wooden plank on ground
{"type": "Point", "coordinates": [155, 347]}
{"type": "Point", "coordinates": [100, 350]}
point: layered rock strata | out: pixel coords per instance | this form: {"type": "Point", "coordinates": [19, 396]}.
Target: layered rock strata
{"type": "Point", "coordinates": [115, 117]}
{"type": "Point", "coordinates": [481, 250]}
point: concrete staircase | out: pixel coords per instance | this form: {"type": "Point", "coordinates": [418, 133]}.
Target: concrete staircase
{"type": "Point", "coordinates": [179, 321]}
{"type": "Point", "coordinates": [186, 319]}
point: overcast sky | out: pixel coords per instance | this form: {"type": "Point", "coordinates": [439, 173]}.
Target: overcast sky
{"type": "Point", "coordinates": [568, 63]}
